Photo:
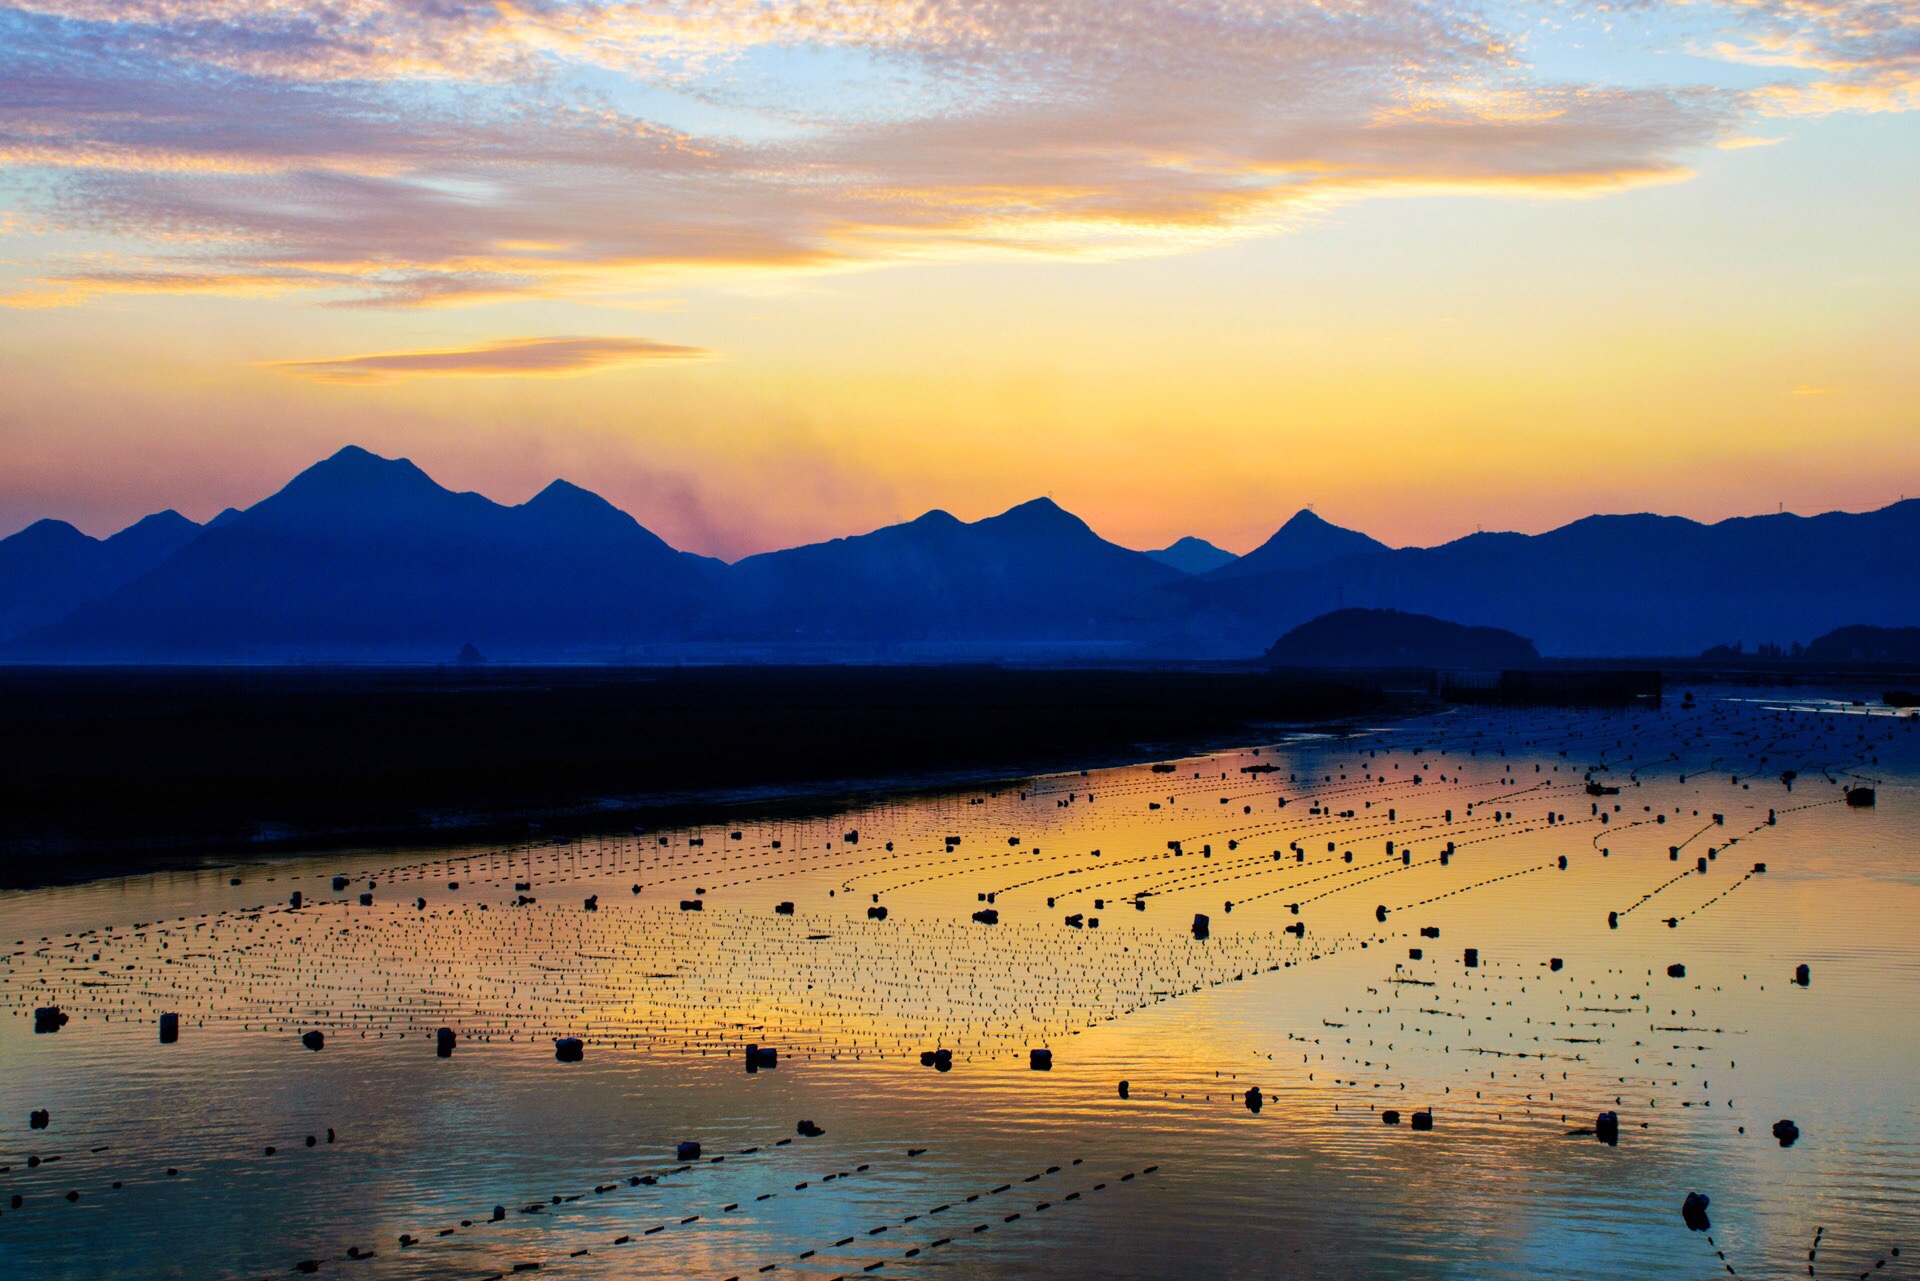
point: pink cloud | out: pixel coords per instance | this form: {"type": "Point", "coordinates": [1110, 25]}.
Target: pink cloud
{"type": "Point", "coordinates": [516, 356]}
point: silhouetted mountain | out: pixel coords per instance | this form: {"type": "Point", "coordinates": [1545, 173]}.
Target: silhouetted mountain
{"type": "Point", "coordinates": [1193, 555]}
{"type": "Point", "coordinates": [366, 557]}
{"type": "Point", "coordinates": [1302, 543]}
{"type": "Point", "coordinates": [1857, 644]}
{"type": "Point", "coordinates": [50, 567]}
{"type": "Point", "coordinates": [1032, 574]}
{"type": "Point", "coordinates": [1605, 585]}
{"type": "Point", "coordinates": [1390, 638]}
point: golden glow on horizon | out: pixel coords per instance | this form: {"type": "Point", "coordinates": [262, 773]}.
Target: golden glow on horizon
{"type": "Point", "coordinates": [1186, 270]}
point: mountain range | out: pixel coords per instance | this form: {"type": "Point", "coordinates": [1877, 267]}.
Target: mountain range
{"type": "Point", "coordinates": [363, 558]}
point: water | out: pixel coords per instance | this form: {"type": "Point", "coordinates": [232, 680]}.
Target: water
{"type": "Point", "coordinates": [1334, 1025]}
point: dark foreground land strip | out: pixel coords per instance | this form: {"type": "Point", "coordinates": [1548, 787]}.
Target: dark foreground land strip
{"type": "Point", "coordinates": [108, 770]}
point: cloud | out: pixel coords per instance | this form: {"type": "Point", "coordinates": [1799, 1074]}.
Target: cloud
{"type": "Point", "coordinates": [509, 357]}
{"type": "Point", "coordinates": [387, 153]}
{"type": "Point", "coordinates": [1860, 55]}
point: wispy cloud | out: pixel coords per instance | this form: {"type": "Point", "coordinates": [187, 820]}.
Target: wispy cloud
{"type": "Point", "coordinates": [510, 357]}
{"type": "Point", "coordinates": [388, 153]}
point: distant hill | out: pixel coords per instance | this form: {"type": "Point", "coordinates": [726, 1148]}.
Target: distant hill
{"type": "Point", "coordinates": [1304, 542]}
{"type": "Point", "coordinates": [1035, 573]}
{"type": "Point", "coordinates": [1390, 638]}
{"type": "Point", "coordinates": [362, 558]}
{"type": "Point", "coordinates": [1192, 555]}
{"type": "Point", "coordinates": [1859, 644]}
{"type": "Point", "coordinates": [49, 568]}
{"type": "Point", "coordinates": [365, 557]}
{"type": "Point", "coordinates": [1603, 586]}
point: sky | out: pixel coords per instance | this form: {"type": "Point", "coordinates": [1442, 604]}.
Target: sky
{"type": "Point", "coordinates": [769, 271]}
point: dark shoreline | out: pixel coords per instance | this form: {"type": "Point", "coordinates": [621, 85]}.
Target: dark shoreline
{"type": "Point", "coordinates": [109, 771]}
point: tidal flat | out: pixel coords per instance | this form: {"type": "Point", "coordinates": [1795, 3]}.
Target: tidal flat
{"type": "Point", "coordinates": [1510, 920]}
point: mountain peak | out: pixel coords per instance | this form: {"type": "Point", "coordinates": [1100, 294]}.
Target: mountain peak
{"type": "Point", "coordinates": [1305, 541]}
{"type": "Point", "coordinates": [565, 495]}
{"type": "Point", "coordinates": [1192, 555]}
{"type": "Point", "coordinates": [1037, 515]}
{"type": "Point", "coordinates": [354, 485]}
{"type": "Point", "coordinates": [357, 467]}
{"type": "Point", "coordinates": [168, 523]}
{"type": "Point", "coordinates": [48, 532]}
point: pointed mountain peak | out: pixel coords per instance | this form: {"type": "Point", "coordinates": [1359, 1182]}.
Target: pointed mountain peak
{"type": "Point", "coordinates": [354, 467]}
{"type": "Point", "coordinates": [354, 480]}
{"type": "Point", "coordinates": [564, 495]}
{"type": "Point", "coordinates": [1037, 515]}
{"type": "Point", "coordinates": [168, 523]}
{"type": "Point", "coordinates": [1306, 540]}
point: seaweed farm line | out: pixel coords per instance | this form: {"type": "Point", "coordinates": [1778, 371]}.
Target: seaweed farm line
{"type": "Point", "coordinates": [1482, 995]}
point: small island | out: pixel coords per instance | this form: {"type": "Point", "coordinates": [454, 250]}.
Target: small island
{"type": "Point", "coordinates": [1392, 638]}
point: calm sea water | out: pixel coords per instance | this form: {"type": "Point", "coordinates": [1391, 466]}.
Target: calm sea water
{"type": "Point", "coordinates": [238, 1152]}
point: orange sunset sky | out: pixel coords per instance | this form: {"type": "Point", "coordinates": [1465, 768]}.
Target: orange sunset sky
{"type": "Point", "coordinates": [773, 271]}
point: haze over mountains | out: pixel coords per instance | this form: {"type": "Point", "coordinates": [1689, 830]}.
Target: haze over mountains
{"type": "Point", "coordinates": [361, 558]}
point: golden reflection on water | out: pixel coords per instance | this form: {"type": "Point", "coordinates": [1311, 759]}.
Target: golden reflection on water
{"type": "Point", "coordinates": [1305, 986]}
